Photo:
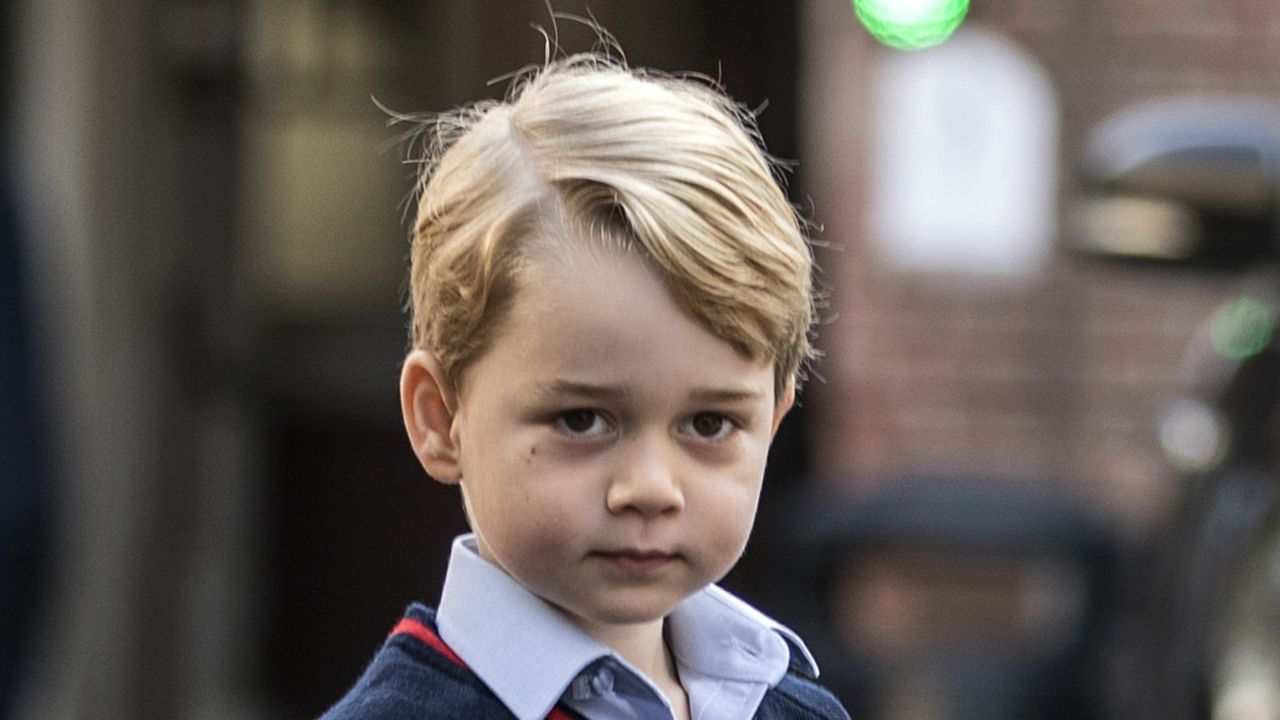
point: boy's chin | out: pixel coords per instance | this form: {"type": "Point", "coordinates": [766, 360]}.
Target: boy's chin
{"type": "Point", "coordinates": [641, 611]}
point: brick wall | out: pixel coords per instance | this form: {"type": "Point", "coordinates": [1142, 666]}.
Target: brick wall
{"type": "Point", "coordinates": [1059, 378]}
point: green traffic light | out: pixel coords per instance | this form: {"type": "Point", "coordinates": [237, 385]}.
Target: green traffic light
{"type": "Point", "coordinates": [911, 24]}
{"type": "Point", "coordinates": [1241, 328]}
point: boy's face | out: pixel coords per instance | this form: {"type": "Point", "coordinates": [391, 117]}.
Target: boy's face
{"type": "Point", "coordinates": [610, 449]}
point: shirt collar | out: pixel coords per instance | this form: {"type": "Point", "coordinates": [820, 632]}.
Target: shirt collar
{"type": "Point", "coordinates": [519, 645]}
{"type": "Point", "coordinates": [528, 653]}
{"type": "Point", "coordinates": [718, 635]}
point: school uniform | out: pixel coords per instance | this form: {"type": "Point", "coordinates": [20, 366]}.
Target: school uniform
{"type": "Point", "coordinates": [495, 650]}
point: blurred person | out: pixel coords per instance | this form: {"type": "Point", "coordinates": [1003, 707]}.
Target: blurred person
{"type": "Point", "coordinates": [611, 309]}
{"type": "Point", "coordinates": [23, 486]}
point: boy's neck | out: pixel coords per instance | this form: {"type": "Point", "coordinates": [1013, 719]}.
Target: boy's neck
{"type": "Point", "coordinates": [642, 645]}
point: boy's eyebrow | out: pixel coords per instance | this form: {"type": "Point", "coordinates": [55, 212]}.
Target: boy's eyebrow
{"type": "Point", "coordinates": [582, 389]}
{"type": "Point", "coordinates": [724, 395]}
{"type": "Point", "coordinates": [614, 392]}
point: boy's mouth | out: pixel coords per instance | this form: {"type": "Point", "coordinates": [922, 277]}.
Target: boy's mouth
{"type": "Point", "coordinates": [635, 561]}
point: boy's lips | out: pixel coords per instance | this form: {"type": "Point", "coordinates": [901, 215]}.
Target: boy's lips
{"type": "Point", "coordinates": [633, 560]}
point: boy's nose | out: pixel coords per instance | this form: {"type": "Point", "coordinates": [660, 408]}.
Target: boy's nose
{"type": "Point", "coordinates": [646, 483]}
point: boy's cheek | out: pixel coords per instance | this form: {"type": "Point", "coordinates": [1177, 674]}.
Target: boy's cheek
{"type": "Point", "coordinates": [542, 452]}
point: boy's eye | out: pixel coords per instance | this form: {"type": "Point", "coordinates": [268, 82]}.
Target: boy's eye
{"type": "Point", "coordinates": [708, 426]}
{"type": "Point", "coordinates": [581, 422]}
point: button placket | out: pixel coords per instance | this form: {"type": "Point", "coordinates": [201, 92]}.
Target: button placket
{"type": "Point", "coordinates": [581, 687]}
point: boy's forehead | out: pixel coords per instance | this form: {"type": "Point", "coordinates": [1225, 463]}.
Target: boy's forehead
{"type": "Point", "coordinates": [583, 262]}
{"type": "Point", "coordinates": [589, 313]}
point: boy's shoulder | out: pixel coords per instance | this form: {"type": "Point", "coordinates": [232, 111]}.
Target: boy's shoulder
{"type": "Point", "coordinates": [409, 678]}
{"type": "Point", "coordinates": [798, 697]}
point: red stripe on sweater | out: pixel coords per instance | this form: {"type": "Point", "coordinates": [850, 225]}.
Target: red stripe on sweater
{"type": "Point", "coordinates": [417, 629]}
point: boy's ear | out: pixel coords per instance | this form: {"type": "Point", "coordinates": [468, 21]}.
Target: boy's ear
{"type": "Point", "coordinates": [428, 402]}
{"type": "Point", "coordinates": [781, 407]}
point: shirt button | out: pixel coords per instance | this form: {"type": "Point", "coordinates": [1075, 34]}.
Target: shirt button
{"type": "Point", "coordinates": [602, 683]}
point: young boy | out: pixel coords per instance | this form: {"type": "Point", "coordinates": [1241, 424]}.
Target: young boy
{"type": "Point", "coordinates": [611, 304]}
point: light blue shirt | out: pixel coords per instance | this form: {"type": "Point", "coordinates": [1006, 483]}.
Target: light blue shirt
{"type": "Point", "coordinates": [727, 652]}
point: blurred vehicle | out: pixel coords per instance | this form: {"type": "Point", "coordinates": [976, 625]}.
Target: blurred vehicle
{"type": "Point", "coordinates": [948, 597]}
{"type": "Point", "coordinates": [1194, 183]}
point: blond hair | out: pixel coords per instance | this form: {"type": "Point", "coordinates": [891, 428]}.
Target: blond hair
{"type": "Point", "coordinates": [668, 167]}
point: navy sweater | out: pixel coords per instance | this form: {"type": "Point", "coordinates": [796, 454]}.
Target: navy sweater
{"type": "Point", "coordinates": [412, 679]}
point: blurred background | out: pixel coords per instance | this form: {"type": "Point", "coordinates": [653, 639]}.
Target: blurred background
{"type": "Point", "coordinates": [1033, 476]}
